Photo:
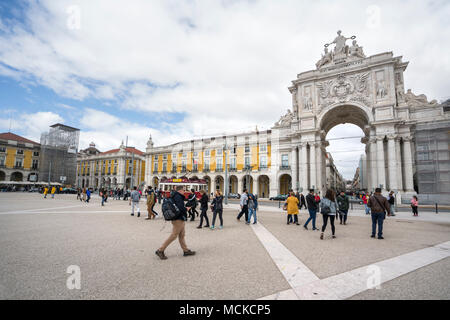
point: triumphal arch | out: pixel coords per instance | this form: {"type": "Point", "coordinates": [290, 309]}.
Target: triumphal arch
{"type": "Point", "coordinates": [349, 87]}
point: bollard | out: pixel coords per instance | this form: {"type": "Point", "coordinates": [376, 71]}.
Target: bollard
{"type": "Point", "coordinates": [436, 208]}
{"type": "Point", "coordinates": [351, 206]}
{"type": "Point", "coordinates": [279, 204]}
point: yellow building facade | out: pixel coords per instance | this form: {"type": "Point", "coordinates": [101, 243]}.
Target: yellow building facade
{"type": "Point", "coordinates": [19, 158]}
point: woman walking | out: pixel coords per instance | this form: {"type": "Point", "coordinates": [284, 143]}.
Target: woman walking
{"type": "Point", "coordinates": [203, 207]}
{"type": "Point", "coordinates": [328, 210]}
{"type": "Point", "coordinates": [217, 208]}
{"type": "Point", "coordinates": [292, 208]}
{"type": "Point", "coordinates": [415, 206]}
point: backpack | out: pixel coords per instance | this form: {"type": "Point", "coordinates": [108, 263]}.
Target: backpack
{"type": "Point", "coordinates": [325, 209]}
{"type": "Point", "coordinates": [169, 209]}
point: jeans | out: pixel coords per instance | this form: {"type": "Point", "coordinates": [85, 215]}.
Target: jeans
{"type": "Point", "coordinates": [415, 210]}
{"type": "Point", "coordinates": [217, 212]}
{"type": "Point", "coordinates": [377, 218]}
{"type": "Point", "coordinates": [392, 209]}
{"type": "Point", "coordinates": [367, 208]}
{"type": "Point", "coordinates": [312, 216]}
{"type": "Point", "coordinates": [343, 215]}
{"type": "Point", "coordinates": [325, 221]}
{"type": "Point", "coordinates": [103, 200]}
{"type": "Point", "coordinates": [251, 212]}
{"type": "Point", "coordinates": [203, 215]}
{"type": "Point", "coordinates": [289, 218]}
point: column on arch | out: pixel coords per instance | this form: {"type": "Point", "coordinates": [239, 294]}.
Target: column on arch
{"type": "Point", "coordinates": [373, 164]}
{"type": "Point", "coordinates": [392, 163]}
{"type": "Point", "coordinates": [313, 166]}
{"type": "Point", "coordinates": [303, 166]}
{"type": "Point", "coordinates": [380, 163]}
{"type": "Point", "coordinates": [294, 168]}
{"type": "Point", "coordinates": [320, 166]}
{"type": "Point", "coordinates": [407, 164]}
{"type": "Point", "coordinates": [399, 167]}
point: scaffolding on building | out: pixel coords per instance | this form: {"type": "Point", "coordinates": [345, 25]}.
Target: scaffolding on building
{"type": "Point", "coordinates": [59, 147]}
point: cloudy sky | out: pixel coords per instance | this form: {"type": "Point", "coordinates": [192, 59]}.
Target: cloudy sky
{"type": "Point", "coordinates": [183, 69]}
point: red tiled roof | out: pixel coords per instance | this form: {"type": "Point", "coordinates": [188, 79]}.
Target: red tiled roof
{"type": "Point", "coordinates": [15, 137]}
{"type": "Point", "coordinates": [133, 150]}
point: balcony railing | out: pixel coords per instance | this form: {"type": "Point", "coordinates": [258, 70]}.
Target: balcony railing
{"type": "Point", "coordinates": [285, 167]}
{"type": "Point", "coordinates": [206, 169]}
{"type": "Point", "coordinates": [219, 169]}
{"type": "Point", "coordinates": [18, 167]}
{"type": "Point", "coordinates": [233, 169]}
{"type": "Point", "coordinates": [263, 167]}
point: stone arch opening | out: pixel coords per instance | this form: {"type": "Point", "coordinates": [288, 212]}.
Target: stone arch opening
{"type": "Point", "coordinates": [208, 183]}
{"type": "Point", "coordinates": [2, 176]}
{"type": "Point", "coordinates": [263, 186]}
{"type": "Point", "coordinates": [285, 181]}
{"type": "Point", "coordinates": [219, 183]}
{"type": "Point", "coordinates": [334, 156]}
{"type": "Point", "coordinates": [233, 184]}
{"type": "Point", "coordinates": [17, 176]}
{"type": "Point", "coordinates": [247, 183]}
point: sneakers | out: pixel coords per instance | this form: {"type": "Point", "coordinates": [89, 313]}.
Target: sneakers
{"type": "Point", "coordinates": [188, 253]}
{"type": "Point", "coordinates": [161, 254]}
{"type": "Point", "coordinates": [132, 214]}
{"type": "Point", "coordinates": [372, 236]}
{"type": "Point", "coordinates": [207, 226]}
{"type": "Point", "coordinates": [212, 227]}
{"type": "Point", "coordinates": [221, 227]}
{"type": "Point", "coordinates": [139, 214]}
{"type": "Point", "coordinates": [306, 228]}
{"type": "Point", "coordinates": [199, 227]}
{"type": "Point", "coordinates": [333, 236]}
{"type": "Point", "coordinates": [321, 236]}
{"type": "Point", "coordinates": [255, 222]}
{"type": "Point", "coordinates": [381, 238]}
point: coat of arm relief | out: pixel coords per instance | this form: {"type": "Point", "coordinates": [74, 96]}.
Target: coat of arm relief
{"type": "Point", "coordinates": [343, 89]}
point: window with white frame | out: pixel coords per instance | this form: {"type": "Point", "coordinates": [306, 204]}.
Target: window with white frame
{"type": "Point", "coordinates": [219, 164]}
{"type": "Point", "coordinates": [155, 167]}
{"type": "Point", "coordinates": [206, 153]}
{"type": "Point", "coordinates": [2, 160]}
{"type": "Point", "coordinates": [233, 164]}
{"type": "Point", "coordinates": [247, 162]}
{"type": "Point", "coordinates": [165, 157]}
{"type": "Point", "coordinates": [285, 160]}
{"type": "Point", "coordinates": [262, 148]}
{"type": "Point", "coordinates": [263, 161]}
{"type": "Point", "coordinates": [19, 162]}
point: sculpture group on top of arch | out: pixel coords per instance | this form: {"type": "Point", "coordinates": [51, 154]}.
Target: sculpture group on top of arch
{"type": "Point", "coordinates": [341, 52]}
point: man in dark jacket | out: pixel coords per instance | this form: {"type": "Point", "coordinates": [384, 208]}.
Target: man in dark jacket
{"type": "Point", "coordinates": [343, 204]}
{"type": "Point", "coordinates": [378, 206]}
{"type": "Point", "coordinates": [313, 205]}
{"type": "Point", "coordinates": [302, 201]}
{"type": "Point", "coordinates": [178, 224]}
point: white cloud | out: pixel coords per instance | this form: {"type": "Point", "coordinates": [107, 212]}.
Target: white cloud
{"type": "Point", "coordinates": [31, 125]}
{"type": "Point", "coordinates": [213, 60]}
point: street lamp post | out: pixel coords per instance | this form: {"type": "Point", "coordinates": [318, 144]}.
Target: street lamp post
{"type": "Point", "coordinates": [226, 171]}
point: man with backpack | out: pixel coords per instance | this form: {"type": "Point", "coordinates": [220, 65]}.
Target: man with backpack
{"type": "Point", "coordinates": [378, 206]}
{"type": "Point", "coordinates": [178, 224]}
